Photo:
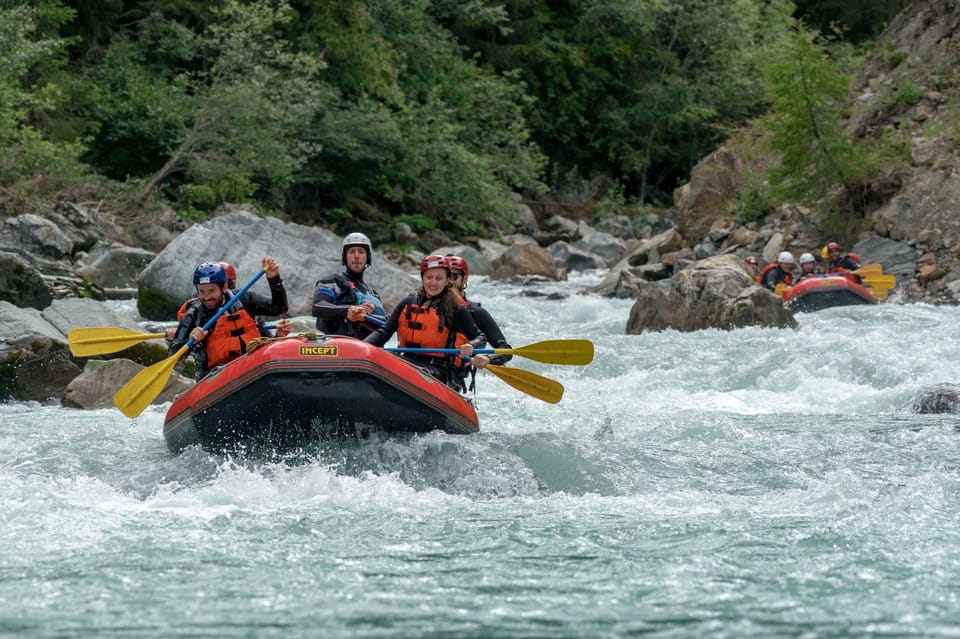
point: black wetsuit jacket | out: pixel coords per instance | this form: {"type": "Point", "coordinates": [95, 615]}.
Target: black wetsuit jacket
{"type": "Point", "coordinates": [488, 326]}
{"type": "Point", "coordinates": [332, 299]}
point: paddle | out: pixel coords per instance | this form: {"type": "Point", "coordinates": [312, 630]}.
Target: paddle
{"type": "Point", "coordinates": [573, 352]}
{"type": "Point", "coordinates": [134, 397]}
{"type": "Point", "coordinates": [88, 341]}
{"type": "Point", "coordinates": [869, 270]}
{"type": "Point", "coordinates": [549, 390]}
{"type": "Point", "coordinates": [880, 285]}
{"type": "Point", "coordinates": [100, 340]}
{"type": "Point", "coordinates": [524, 381]}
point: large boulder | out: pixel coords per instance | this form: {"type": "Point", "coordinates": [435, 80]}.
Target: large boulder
{"type": "Point", "coordinates": [75, 312]}
{"type": "Point", "coordinates": [114, 265]}
{"type": "Point", "coordinates": [21, 283]}
{"type": "Point", "coordinates": [703, 200]}
{"type": "Point", "coordinates": [243, 238]}
{"type": "Point", "coordinates": [100, 380]}
{"type": "Point", "coordinates": [715, 293]}
{"type": "Point", "coordinates": [34, 361]}
{"type": "Point", "coordinates": [526, 259]}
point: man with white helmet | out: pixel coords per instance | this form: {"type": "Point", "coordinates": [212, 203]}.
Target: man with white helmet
{"type": "Point", "coordinates": [341, 301]}
{"type": "Point", "coordinates": [781, 271]}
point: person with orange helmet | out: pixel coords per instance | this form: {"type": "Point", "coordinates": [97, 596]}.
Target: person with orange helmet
{"type": "Point", "coordinates": [459, 274]}
{"type": "Point", "coordinates": [837, 263]}
{"type": "Point", "coordinates": [433, 317]}
{"type": "Point", "coordinates": [232, 331]}
{"type": "Point", "coordinates": [342, 301]}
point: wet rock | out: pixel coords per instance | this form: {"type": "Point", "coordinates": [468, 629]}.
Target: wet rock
{"type": "Point", "coordinates": [943, 399]}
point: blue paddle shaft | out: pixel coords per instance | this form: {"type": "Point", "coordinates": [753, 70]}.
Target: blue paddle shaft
{"type": "Point", "coordinates": [223, 309]}
{"type": "Point", "coordinates": [445, 351]}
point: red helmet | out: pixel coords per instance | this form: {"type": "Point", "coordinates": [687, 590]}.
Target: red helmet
{"type": "Point", "coordinates": [750, 260]}
{"type": "Point", "coordinates": [434, 261]}
{"type": "Point", "coordinates": [833, 246]}
{"type": "Point", "coordinates": [230, 271]}
{"type": "Point", "coordinates": [457, 263]}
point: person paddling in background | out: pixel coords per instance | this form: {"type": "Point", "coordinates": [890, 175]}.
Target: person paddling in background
{"type": "Point", "coordinates": [459, 274]}
{"type": "Point", "coordinates": [433, 317]}
{"type": "Point", "coordinates": [780, 271]}
{"type": "Point", "coordinates": [341, 301]}
{"type": "Point", "coordinates": [753, 265]}
{"type": "Point", "coordinates": [808, 267]}
{"type": "Point", "coordinates": [837, 263]}
{"type": "Point", "coordinates": [235, 328]}
{"type": "Point", "coordinates": [283, 326]}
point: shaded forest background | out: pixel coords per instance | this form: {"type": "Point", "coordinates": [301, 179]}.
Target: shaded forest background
{"type": "Point", "coordinates": [432, 112]}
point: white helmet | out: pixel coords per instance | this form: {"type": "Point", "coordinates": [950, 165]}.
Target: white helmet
{"type": "Point", "coordinates": [786, 258]}
{"type": "Point", "coordinates": [807, 257]}
{"type": "Point", "coordinates": [356, 239]}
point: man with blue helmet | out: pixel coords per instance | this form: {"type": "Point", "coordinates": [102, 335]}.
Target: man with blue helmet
{"type": "Point", "coordinates": [234, 329]}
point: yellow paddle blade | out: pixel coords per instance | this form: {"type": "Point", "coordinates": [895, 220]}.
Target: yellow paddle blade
{"type": "Point", "coordinates": [881, 281]}
{"type": "Point", "coordinates": [137, 394]}
{"type": "Point", "coordinates": [869, 270]}
{"type": "Point", "coordinates": [100, 340]}
{"type": "Point", "coordinates": [574, 352]}
{"type": "Point", "coordinates": [780, 289]}
{"type": "Point", "coordinates": [549, 390]}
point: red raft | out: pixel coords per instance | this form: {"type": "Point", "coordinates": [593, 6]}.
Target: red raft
{"type": "Point", "coordinates": [818, 293]}
{"type": "Point", "coordinates": [298, 390]}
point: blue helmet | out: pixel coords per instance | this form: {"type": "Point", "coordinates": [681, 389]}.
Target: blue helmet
{"type": "Point", "coordinates": [209, 273]}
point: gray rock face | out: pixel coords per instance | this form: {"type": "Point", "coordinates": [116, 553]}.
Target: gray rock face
{"type": "Point", "coordinates": [243, 238]}
{"type": "Point", "coordinates": [715, 294]}
{"type": "Point", "coordinates": [943, 399]}
{"type": "Point", "coordinates": [34, 361]}
{"type": "Point", "coordinates": [113, 265]}
{"type": "Point", "coordinates": [100, 380]}
{"type": "Point", "coordinates": [525, 259]}
{"type": "Point", "coordinates": [21, 283]}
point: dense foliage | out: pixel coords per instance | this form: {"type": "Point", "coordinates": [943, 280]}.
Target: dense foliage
{"type": "Point", "coordinates": [428, 109]}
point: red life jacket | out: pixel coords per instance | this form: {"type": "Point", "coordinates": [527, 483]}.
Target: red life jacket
{"type": "Point", "coordinates": [230, 335]}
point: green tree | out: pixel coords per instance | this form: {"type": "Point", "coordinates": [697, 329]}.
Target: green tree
{"type": "Point", "coordinates": [808, 92]}
{"type": "Point", "coordinates": [418, 126]}
{"type": "Point", "coordinates": [29, 155]}
{"type": "Point", "coordinates": [248, 109]}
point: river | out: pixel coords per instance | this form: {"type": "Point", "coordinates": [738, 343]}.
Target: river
{"type": "Point", "coordinates": [750, 483]}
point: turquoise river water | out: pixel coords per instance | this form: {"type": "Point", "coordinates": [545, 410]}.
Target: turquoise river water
{"type": "Point", "coordinates": [751, 483]}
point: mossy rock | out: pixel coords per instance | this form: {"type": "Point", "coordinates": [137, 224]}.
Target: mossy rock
{"type": "Point", "coordinates": [155, 305]}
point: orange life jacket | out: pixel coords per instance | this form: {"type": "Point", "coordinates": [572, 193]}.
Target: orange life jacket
{"type": "Point", "coordinates": [787, 279]}
{"type": "Point", "coordinates": [183, 308]}
{"type": "Point", "coordinates": [423, 326]}
{"type": "Point", "coordinates": [228, 339]}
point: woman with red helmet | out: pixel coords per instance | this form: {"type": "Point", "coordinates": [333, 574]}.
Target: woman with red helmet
{"type": "Point", "coordinates": [459, 274]}
{"type": "Point", "coordinates": [433, 317]}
